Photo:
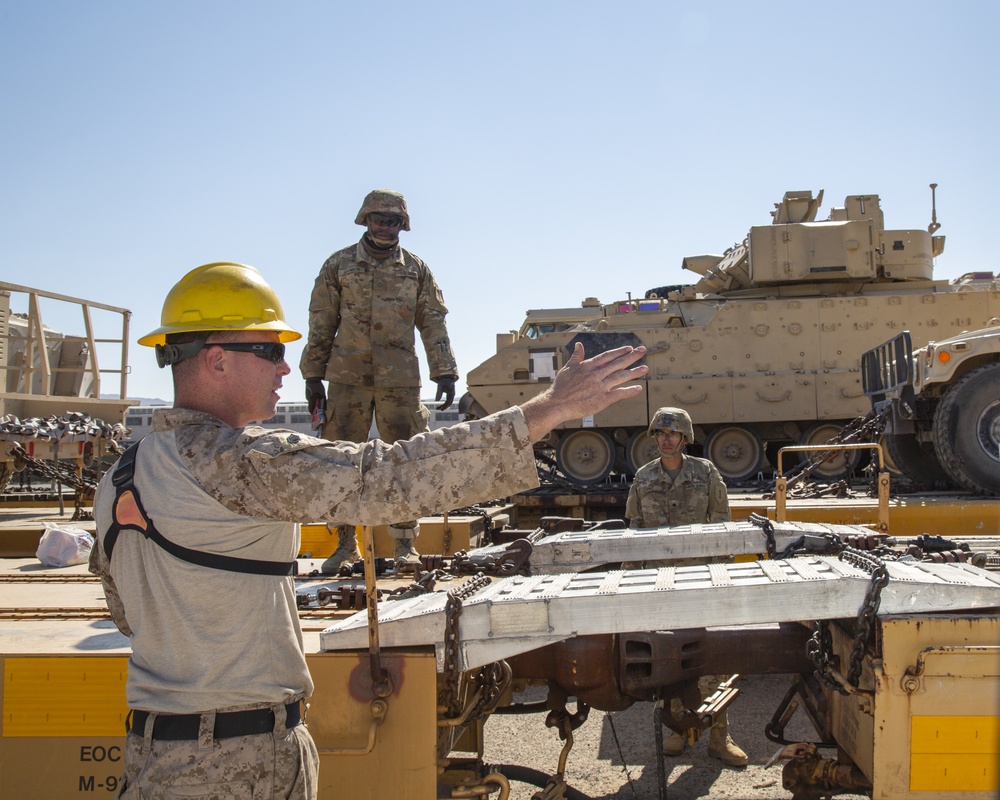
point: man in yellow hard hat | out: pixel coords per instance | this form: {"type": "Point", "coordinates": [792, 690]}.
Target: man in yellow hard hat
{"type": "Point", "coordinates": [680, 489]}
{"type": "Point", "coordinates": [368, 300]}
{"type": "Point", "coordinates": [198, 531]}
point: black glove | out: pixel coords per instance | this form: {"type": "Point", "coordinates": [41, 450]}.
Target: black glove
{"type": "Point", "coordinates": [446, 389]}
{"type": "Point", "coordinates": [314, 392]}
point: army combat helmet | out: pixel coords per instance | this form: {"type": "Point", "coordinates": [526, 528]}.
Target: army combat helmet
{"type": "Point", "coordinates": [383, 201]}
{"type": "Point", "coordinates": [669, 418]}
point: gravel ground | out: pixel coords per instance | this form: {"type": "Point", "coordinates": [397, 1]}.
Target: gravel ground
{"type": "Point", "coordinates": [613, 755]}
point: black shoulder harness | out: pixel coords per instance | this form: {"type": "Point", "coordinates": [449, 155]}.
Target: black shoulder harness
{"type": "Point", "coordinates": [126, 494]}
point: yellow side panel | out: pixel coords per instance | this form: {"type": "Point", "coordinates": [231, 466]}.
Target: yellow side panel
{"type": "Point", "coordinates": [462, 533]}
{"type": "Point", "coordinates": [959, 753]}
{"type": "Point", "coordinates": [64, 696]}
{"type": "Point", "coordinates": [956, 773]}
{"type": "Point", "coordinates": [403, 764]}
{"type": "Point", "coordinates": [967, 734]}
{"type": "Point", "coordinates": [63, 728]}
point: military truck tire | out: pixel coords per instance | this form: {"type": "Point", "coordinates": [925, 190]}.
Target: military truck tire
{"type": "Point", "coordinates": [838, 467]}
{"type": "Point", "coordinates": [586, 455]}
{"type": "Point", "coordinates": [887, 459]}
{"type": "Point", "coordinates": [967, 430]}
{"type": "Point", "coordinates": [737, 452]}
{"type": "Point", "coordinates": [913, 459]}
{"type": "Point", "coordinates": [640, 450]}
{"type": "Point", "coordinates": [5, 475]}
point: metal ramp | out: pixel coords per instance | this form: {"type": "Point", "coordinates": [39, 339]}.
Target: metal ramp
{"type": "Point", "coordinates": [577, 551]}
{"type": "Point", "coordinates": [519, 614]}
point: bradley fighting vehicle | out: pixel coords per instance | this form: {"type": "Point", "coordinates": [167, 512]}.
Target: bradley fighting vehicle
{"type": "Point", "coordinates": [763, 351]}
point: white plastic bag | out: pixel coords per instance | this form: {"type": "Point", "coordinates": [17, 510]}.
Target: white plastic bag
{"type": "Point", "coordinates": [64, 546]}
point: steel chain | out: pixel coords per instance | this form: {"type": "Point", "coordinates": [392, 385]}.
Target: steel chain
{"type": "Point", "coordinates": [818, 648]}
{"type": "Point", "coordinates": [490, 679]}
{"type": "Point", "coordinates": [61, 472]}
{"type": "Point", "coordinates": [767, 526]}
{"type": "Point", "coordinates": [860, 429]}
{"type": "Point", "coordinates": [869, 608]}
{"type": "Point", "coordinates": [452, 612]}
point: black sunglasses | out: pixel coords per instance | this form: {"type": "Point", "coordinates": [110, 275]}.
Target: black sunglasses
{"type": "Point", "coordinates": [269, 351]}
{"type": "Point", "coordinates": [388, 220]}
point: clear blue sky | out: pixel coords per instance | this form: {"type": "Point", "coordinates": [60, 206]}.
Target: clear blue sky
{"type": "Point", "coordinates": [549, 151]}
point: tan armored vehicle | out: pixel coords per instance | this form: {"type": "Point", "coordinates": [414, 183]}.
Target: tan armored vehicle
{"type": "Point", "coordinates": [763, 351]}
{"type": "Point", "coordinates": [942, 406]}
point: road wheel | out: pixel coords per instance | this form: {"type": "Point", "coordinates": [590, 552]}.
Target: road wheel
{"type": "Point", "coordinates": [771, 450]}
{"type": "Point", "coordinates": [641, 449]}
{"type": "Point", "coordinates": [5, 475]}
{"type": "Point", "coordinates": [914, 459]}
{"type": "Point", "coordinates": [967, 430]}
{"type": "Point", "coordinates": [737, 452]}
{"type": "Point", "coordinates": [586, 455]}
{"type": "Point", "coordinates": [838, 467]}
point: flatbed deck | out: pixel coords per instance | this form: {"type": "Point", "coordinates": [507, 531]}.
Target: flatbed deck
{"type": "Point", "coordinates": [937, 513]}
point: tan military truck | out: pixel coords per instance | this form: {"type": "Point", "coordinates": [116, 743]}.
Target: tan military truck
{"type": "Point", "coordinates": [763, 351]}
{"type": "Point", "coordinates": [942, 406]}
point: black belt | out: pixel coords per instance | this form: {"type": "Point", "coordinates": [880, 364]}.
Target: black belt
{"type": "Point", "coordinates": [176, 727]}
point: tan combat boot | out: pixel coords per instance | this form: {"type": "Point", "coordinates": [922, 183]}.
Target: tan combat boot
{"type": "Point", "coordinates": [347, 552]}
{"type": "Point", "coordinates": [673, 743]}
{"type": "Point", "coordinates": [722, 747]}
{"type": "Point", "coordinates": [404, 552]}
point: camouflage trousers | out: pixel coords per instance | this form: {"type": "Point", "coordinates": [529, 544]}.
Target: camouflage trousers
{"type": "Point", "coordinates": [267, 766]}
{"type": "Point", "coordinates": [398, 411]}
{"type": "Point", "coordinates": [399, 414]}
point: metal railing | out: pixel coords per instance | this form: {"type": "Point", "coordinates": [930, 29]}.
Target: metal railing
{"type": "Point", "coordinates": [781, 483]}
{"type": "Point", "coordinates": [37, 341]}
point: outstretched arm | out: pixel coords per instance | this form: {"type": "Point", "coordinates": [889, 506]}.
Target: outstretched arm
{"type": "Point", "coordinates": [584, 387]}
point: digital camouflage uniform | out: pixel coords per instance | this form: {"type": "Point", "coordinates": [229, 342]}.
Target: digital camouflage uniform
{"type": "Point", "coordinates": [696, 495]}
{"type": "Point", "coordinates": [362, 316]}
{"type": "Point", "coordinates": [206, 640]}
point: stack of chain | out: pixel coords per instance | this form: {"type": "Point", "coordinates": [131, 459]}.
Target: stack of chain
{"type": "Point", "coordinates": [72, 427]}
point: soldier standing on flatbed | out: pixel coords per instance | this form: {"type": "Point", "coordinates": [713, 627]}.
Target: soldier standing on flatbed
{"type": "Point", "coordinates": [366, 303]}
{"type": "Point", "coordinates": [198, 533]}
{"type": "Point", "coordinates": [678, 489]}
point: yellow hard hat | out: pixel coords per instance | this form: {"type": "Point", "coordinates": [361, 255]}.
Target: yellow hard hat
{"type": "Point", "coordinates": [221, 297]}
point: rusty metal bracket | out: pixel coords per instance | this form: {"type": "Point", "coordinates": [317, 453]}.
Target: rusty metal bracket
{"type": "Point", "coordinates": [379, 709]}
{"type": "Point", "coordinates": [910, 682]}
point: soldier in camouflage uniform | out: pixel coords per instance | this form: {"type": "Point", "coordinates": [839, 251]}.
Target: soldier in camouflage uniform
{"type": "Point", "coordinates": [366, 303]}
{"type": "Point", "coordinates": [198, 531]}
{"type": "Point", "coordinates": [678, 489]}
